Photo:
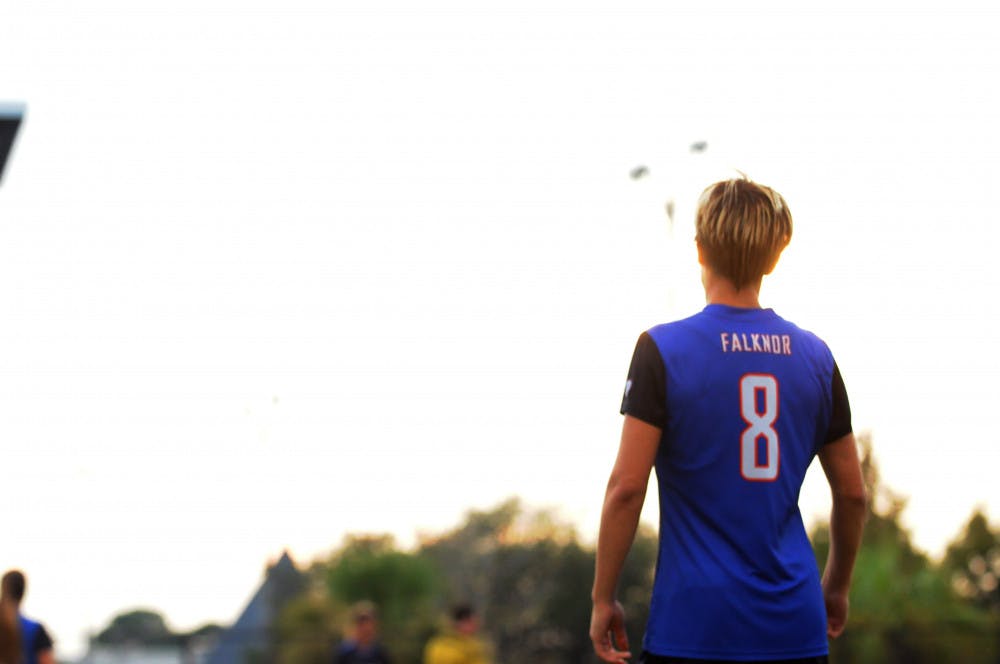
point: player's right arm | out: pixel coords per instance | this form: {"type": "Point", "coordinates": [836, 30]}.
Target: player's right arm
{"type": "Point", "coordinates": [623, 502]}
{"type": "Point", "coordinates": [847, 517]}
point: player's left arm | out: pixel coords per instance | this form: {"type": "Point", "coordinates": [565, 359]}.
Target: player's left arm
{"type": "Point", "coordinates": [842, 466]}
{"type": "Point", "coordinates": [623, 500]}
{"type": "Point", "coordinates": [43, 647]}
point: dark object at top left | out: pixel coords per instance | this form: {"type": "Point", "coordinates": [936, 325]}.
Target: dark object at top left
{"type": "Point", "coordinates": [10, 121]}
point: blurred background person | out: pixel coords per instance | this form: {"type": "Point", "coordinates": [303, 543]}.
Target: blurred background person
{"type": "Point", "coordinates": [10, 632]}
{"type": "Point", "coordinates": [22, 641]}
{"type": "Point", "coordinates": [461, 644]}
{"type": "Point", "coordinates": [361, 645]}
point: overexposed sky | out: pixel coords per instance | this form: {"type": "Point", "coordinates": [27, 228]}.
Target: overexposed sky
{"type": "Point", "coordinates": [271, 272]}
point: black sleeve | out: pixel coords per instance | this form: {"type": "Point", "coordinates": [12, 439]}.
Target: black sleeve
{"type": "Point", "coordinates": [840, 419]}
{"type": "Point", "coordinates": [646, 388]}
{"type": "Point", "coordinates": [42, 640]}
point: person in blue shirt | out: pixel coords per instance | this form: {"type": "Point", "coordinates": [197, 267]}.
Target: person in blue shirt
{"type": "Point", "coordinates": [362, 647]}
{"type": "Point", "coordinates": [730, 406]}
{"type": "Point", "coordinates": [22, 641]}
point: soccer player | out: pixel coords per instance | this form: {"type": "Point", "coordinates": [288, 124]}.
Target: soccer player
{"type": "Point", "coordinates": [22, 641]}
{"type": "Point", "coordinates": [730, 406]}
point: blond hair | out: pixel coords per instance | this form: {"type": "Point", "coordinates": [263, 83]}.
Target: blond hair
{"type": "Point", "coordinates": [741, 228]}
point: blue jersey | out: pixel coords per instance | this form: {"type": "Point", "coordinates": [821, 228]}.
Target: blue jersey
{"type": "Point", "coordinates": [34, 639]}
{"type": "Point", "coordinates": [745, 400]}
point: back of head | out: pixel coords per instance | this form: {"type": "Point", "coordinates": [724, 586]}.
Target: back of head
{"type": "Point", "coordinates": [11, 593]}
{"type": "Point", "coordinates": [464, 619]}
{"type": "Point", "coordinates": [13, 585]}
{"type": "Point", "coordinates": [741, 228]}
{"type": "Point", "coordinates": [461, 612]}
{"type": "Point", "coordinates": [363, 622]}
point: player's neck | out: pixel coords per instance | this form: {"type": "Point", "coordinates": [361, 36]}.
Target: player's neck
{"type": "Point", "coordinates": [722, 291]}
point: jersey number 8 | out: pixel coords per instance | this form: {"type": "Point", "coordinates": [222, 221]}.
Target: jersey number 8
{"type": "Point", "coordinates": [759, 390]}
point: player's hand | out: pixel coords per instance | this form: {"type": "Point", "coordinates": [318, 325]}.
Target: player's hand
{"type": "Point", "coordinates": [836, 611]}
{"type": "Point", "coordinates": [607, 632]}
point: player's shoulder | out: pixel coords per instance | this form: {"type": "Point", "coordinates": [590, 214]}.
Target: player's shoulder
{"type": "Point", "coordinates": [34, 631]}
{"type": "Point", "coordinates": [675, 327]}
{"type": "Point", "coordinates": [347, 648]}
{"type": "Point", "coordinates": [806, 334]}
{"type": "Point", "coordinates": [28, 623]}
{"type": "Point", "coordinates": [817, 350]}
{"type": "Point", "coordinates": [660, 339]}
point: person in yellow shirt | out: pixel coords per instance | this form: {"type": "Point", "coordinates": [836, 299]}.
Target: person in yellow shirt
{"type": "Point", "coordinates": [460, 644]}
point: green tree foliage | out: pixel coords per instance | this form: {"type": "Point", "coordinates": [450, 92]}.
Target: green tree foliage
{"type": "Point", "coordinates": [370, 568]}
{"type": "Point", "coordinates": [307, 629]}
{"type": "Point", "coordinates": [137, 627]}
{"type": "Point", "coordinates": [373, 569]}
{"type": "Point", "coordinates": [903, 607]}
{"type": "Point", "coordinates": [974, 563]}
{"type": "Point", "coordinates": [526, 573]}
{"type": "Point", "coordinates": [144, 627]}
{"type": "Point", "coordinates": [402, 585]}
{"type": "Point", "coordinates": [465, 556]}
{"type": "Point", "coordinates": [530, 579]}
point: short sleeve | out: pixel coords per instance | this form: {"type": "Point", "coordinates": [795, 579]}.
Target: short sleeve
{"type": "Point", "coordinates": [42, 640]}
{"type": "Point", "coordinates": [645, 395]}
{"type": "Point", "coordinates": [840, 418]}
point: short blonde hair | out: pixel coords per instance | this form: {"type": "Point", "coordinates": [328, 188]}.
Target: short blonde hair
{"type": "Point", "coordinates": [741, 228]}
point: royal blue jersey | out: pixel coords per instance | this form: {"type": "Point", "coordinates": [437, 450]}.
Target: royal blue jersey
{"type": "Point", "coordinates": [34, 639]}
{"type": "Point", "coordinates": [745, 400]}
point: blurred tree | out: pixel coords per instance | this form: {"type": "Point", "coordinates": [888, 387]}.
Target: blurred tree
{"type": "Point", "coordinates": [465, 555]}
{"type": "Point", "coordinates": [365, 568]}
{"type": "Point", "coordinates": [139, 627]}
{"type": "Point", "coordinates": [372, 568]}
{"type": "Point", "coordinates": [530, 579]}
{"type": "Point", "coordinates": [566, 608]}
{"type": "Point", "coordinates": [144, 627]}
{"type": "Point", "coordinates": [308, 628]}
{"type": "Point", "coordinates": [903, 608]}
{"type": "Point", "coordinates": [636, 584]}
{"type": "Point", "coordinates": [402, 585]}
{"type": "Point", "coordinates": [974, 562]}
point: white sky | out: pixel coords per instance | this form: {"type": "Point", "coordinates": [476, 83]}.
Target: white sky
{"type": "Point", "coordinates": [271, 272]}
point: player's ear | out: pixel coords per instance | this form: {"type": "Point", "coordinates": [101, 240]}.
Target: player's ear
{"type": "Point", "coordinates": [701, 254]}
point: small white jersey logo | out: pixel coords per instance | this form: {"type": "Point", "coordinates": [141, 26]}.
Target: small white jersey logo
{"type": "Point", "coordinates": [628, 387]}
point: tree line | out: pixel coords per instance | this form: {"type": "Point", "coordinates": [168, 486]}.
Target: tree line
{"type": "Point", "coordinates": [529, 576]}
